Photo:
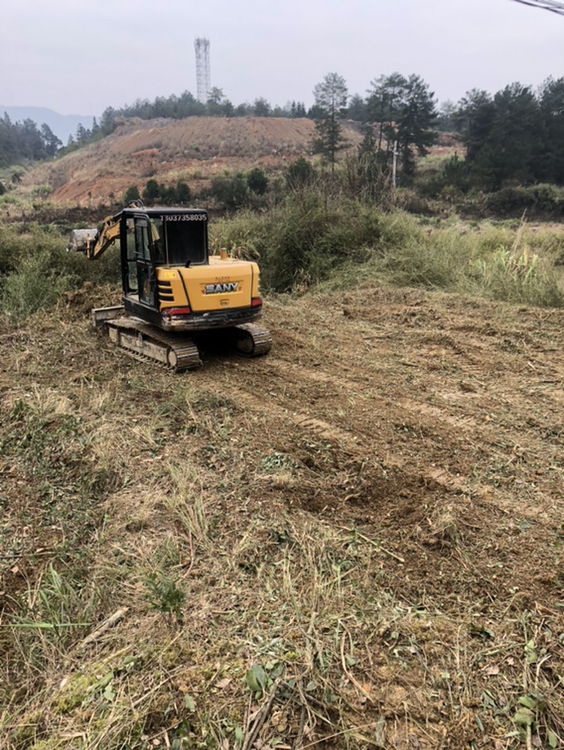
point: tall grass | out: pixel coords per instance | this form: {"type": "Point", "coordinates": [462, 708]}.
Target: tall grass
{"type": "Point", "coordinates": [35, 270]}
{"type": "Point", "coordinates": [312, 238]}
{"type": "Point", "coordinates": [316, 235]}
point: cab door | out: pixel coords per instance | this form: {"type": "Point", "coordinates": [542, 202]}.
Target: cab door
{"type": "Point", "coordinates": [146, 274]}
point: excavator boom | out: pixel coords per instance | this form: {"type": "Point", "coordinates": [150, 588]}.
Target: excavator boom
{"type": "Point", "coordinates": [93, 242]}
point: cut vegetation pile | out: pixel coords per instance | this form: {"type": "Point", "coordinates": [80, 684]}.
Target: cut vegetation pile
{"type": "Point", "coordinates": [353, 542]}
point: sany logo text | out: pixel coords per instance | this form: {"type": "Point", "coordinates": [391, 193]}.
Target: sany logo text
{"type": "Point", "coordinates": [230, 286]}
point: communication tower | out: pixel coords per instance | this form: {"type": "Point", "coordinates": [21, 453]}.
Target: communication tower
{"type": "Point", "coordinates": [202, 69]}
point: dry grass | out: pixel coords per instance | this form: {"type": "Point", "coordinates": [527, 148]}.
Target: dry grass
{"type": "Point", "coordinates": [365, 526]}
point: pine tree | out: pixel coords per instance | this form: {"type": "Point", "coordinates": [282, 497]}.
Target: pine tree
{"type": "Point", "coordinates": [330, 100]}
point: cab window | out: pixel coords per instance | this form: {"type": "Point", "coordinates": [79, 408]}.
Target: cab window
{"type": "Point", "coordinates": [186, 242]}
{"type": "Point", "coordinates": [142, 240]}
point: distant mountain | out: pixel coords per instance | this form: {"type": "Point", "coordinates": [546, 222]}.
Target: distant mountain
{"type": "Point", "coordinates": [61, 125]}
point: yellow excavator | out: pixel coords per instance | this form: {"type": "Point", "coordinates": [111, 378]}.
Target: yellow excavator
{"type": "Point", "coordinates": [173, 289]}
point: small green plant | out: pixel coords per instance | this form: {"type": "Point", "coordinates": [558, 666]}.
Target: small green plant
{"type": "Point", "coordinates": [277, 460]}
{"type": "Point", "coordinates": [165, 596]}
{"type": "Point", "coordinates": [42, 191]}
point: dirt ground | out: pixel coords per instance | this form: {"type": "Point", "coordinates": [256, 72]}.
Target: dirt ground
{"type": "Point", "coordinates": [409, 444]}
{"type": "Point", "coordinates": [195, 149]}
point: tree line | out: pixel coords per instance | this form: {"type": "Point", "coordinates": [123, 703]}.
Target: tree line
{"type": "Point", "coordinates": [398, 113]}
{"type": "Point", "coordinates": [24, 140]}
{"type": "Point", "coordinates": [186, 105]}
{"type": "Point", "coordinates": [514, 135]}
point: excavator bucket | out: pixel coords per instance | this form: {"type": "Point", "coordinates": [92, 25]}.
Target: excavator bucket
{"type": "Point", "coordinates": [81, 240]}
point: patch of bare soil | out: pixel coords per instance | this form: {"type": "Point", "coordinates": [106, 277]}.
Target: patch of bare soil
{"type": "Point", "coordinates": [194, 149]}
{"type": "Point", "coordinates": [375, 507]}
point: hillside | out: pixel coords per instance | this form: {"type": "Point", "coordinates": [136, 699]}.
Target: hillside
{"type": "Point", "coordinates": [193, 149]}
{"type": "Point", "coordinates": [370, 518]}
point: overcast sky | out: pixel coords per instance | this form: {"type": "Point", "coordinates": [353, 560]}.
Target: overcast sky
{"type": "Point", "coordinates": [81, 56]}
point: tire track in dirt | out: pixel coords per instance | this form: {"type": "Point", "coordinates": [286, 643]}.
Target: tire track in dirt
{"type": "Point", "coordinates": [318, 427]}
{"type": "Point", "coordinates": [432, 413]}
{"type": "Point", "coordinates": [435, 413]}
{"type": "Point", "coordinates": [361, 442]}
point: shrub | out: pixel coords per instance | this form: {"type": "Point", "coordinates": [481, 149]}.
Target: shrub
{"type": "Point", "coordinates": [151, 192]}
{"type": "Point", "coordinates": [155, 192]}
{"type": "Point", "coordinates": [42, 191]}
{"type": "Point", "coordinates": [168, 195]}
{"type": "Point", "coordinates": [312, 237]}
{"type": "Point", "coordinates": [232, 192]}
{"type": "Point", "coordinates": [35, 270]}
{"type": "Point", "coordinates": [303, 237]}
{"type": "Point", "coordinates": [34, 286]}
{"type": "Point", "coordinates": [183, 193]}
{"type": "Point", "coordinates": [131, 194]}
{"type": "Point", "coordinates": [257, 181]}
{"type": "Point", "coordinates": [299, 174]}
{"type": "Point", "coordinates": [511, 201]}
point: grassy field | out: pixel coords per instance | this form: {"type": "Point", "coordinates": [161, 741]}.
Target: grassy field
{"type": "Point", "coordinates": [353, 542]}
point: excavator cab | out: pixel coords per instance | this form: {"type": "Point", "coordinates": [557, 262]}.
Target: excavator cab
{"type": "Point", "coordinates": [154, 239]}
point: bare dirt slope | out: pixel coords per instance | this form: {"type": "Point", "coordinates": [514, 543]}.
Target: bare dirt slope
{"type": "Point", "coordinates": [371, 514]}
{"type": "Point", "coordinates": [191, 149]}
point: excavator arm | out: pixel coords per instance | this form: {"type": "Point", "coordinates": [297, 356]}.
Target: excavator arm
{"type": "Point", "coordinates": [94, 242]}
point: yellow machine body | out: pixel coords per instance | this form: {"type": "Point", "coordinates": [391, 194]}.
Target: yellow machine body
{"type": "Point", "coordinates": [219, 285]}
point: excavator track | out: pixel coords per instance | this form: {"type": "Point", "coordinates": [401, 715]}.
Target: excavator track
{"type": "Point", "coordinates": [252, 340]}
{"type": "Point", "coordinates": [148, 344]}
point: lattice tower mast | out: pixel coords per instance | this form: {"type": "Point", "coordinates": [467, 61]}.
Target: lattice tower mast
{"type": "Point", "coordinates": [202, 69]}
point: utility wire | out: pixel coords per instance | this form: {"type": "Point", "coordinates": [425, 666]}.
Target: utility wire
{"type": "Point", "coordinates": [551, 5]}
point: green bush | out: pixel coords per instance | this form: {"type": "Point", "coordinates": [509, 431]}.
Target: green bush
{"type": "Point", "coordinates": [42, 191]}
{"type": "Point", "coordinates": [151, 192]}
{"type": "Point", "coordinates": [34, 286]}
{"type": "Point", "coordinates": [454, 174]}
{"type": "Point", "coordinates": [232, 192]}
{"type": "Point", "coordinates": [312, 237]}
{"type": "Point", "coordinates": [257, 181]}
{"type": "Point", "coordinates": [302, 237]}
{"type": "Point", "coordinates": [543, 199]}
{"type": "Point", "coordinates": [183, 193]}
{"type": "Point", "coordinates": [299, 174]}
{"type": "Point", "coordinates": [131, 194]}
{"type": "Point", "coordinates": [155, 192]}
{"type": "Point", "coordinates": [35, 270]}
